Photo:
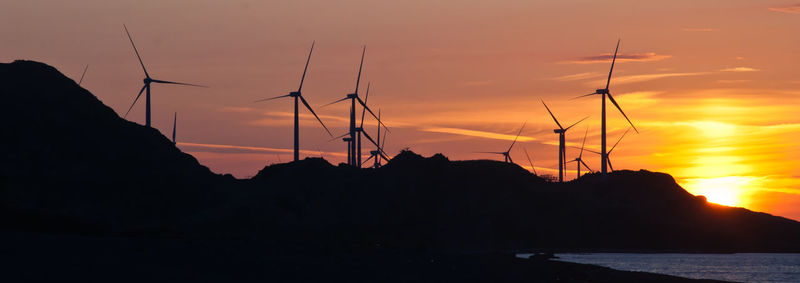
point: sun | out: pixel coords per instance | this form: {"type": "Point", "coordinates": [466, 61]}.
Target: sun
{"type": "Point", "coordinates": [728, 190]}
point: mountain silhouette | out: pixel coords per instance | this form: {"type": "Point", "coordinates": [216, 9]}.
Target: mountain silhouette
{"type": "Point", "coordinates": [71, 164]}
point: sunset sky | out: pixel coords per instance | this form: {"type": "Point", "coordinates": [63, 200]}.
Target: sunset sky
{"type": "Point", "coordinates": [712, 86]}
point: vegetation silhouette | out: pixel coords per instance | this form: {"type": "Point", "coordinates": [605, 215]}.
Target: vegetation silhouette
{"type": "Point", "coordinates": [72, 166]}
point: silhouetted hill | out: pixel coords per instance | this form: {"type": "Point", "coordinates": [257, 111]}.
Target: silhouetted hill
{"type": "Point", "coordinates": [71, 164]}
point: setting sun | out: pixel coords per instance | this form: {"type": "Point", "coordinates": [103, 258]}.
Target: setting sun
{"type": "Point", "coordinates": [730, 191]}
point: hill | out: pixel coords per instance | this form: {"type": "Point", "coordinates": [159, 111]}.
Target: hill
{"type": "Point", "coordinates": [72, 165]}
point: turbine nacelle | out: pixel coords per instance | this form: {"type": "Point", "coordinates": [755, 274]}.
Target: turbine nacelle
{"type": "Point", "coordinates": [294, 94]}
{"type": "Point", "coordinates": [601, 91]}
{"type": "Point", "coordinates": [147, 80]}
{"type": "Point", "coordinates": [559, 131]}
{"type": "Point", "coordinates": [352, 95]}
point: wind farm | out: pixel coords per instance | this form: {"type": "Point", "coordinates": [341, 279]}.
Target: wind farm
{"type": "Point", "coordinates": [689, 176]}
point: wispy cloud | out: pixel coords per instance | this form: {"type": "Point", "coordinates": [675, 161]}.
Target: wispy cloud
{"type": "Point", "coordinates": [623, 57]}
{"type": "Point", "coordinates": [577, 77]}
{"type": "Point", "coordinates": [646, 77]}
{"type": "Point", "coordinates": [699, 29]}
{"type": "Point", "coordinates": [789, 9]}
{"type": "Point", "coordinates": [474, 133]}
{"type": "Point", "coordinates": [236, 109]}
{"type": "Point", "coordinates": [733, 81]}
{"type": "Point", "coordinates": [740, 69]}
{"type": "Point", "coordinates": [253, 148]}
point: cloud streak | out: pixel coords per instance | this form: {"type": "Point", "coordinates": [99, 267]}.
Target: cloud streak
{"type": "Point", "coordinates": [646, 77]}
{"type": "Point", "coordinates": [740, 69]}
{"type": "Point", "coordinates": [788, 9]}
{"type": "Point", "coordinates": [474, 133]}
{"type": "Point", "coordinates": [623, 57]}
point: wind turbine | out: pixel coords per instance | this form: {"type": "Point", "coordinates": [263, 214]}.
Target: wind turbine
{"type": "Point", "coordinates": [605, 92]}
{"type": "Point", "coordinates": [352, 159]}
{"type": "Point", "coordinates": [529, 161]}
{"type": "Point", "coordinates": [378, 153]}
{"type": "Point", "coordinates": [84, 74]}
{"type": "Point", "coordinates": [299, 96]}
{"type": "Point", "coordinates": [507, 154]}
{"type": "Point", "coordinates": [147, 81]}
{"type": "Point", "coordinates": [579, 159]}
{"type": "Point", "coordinates": [608, 158]}
{"type": "Point", "coordinates": [562, 157]}
{"type": "Point", "coordinates": [174, 127]}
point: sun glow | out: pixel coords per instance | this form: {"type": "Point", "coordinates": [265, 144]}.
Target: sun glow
{"type": "Point", "coordinates": [730, 191]}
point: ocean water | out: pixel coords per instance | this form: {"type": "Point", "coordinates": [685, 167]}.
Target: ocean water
{"type": "Point", "coordinates": [747, 267]}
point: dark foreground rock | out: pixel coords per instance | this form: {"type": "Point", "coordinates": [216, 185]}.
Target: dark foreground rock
{"type": "Point", "coordinates": [60, 258]}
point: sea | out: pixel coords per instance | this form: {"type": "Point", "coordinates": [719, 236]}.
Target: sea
{"type": "Point", "coordinates": [744, 267]}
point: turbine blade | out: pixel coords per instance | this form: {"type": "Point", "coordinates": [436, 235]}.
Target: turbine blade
{"type": "Point", "coordinates": [385, 157]}
{"type": "Point", "coordinates": [134, 101]}
{"type": "Point", "coordinates": [573, 125]}
{"type": "Point", "coordinates": [370, 111]}
{"type": "Point", "coordinates": [489, 152]}
{"type": "Point", "coordinates": [336, 138]}
{"type": "Point", "coordinates": [515, 138]}
{"type": "Point", "coordinates": [364, 110]}
{"type": "Point", "coordinates": [585, 95]}
{"type": "Point", "coordinates": [177, 83]}
{"type": "Point", "coordinates": [383, 141]}
{"type": "Point", "coordinates": [620, 139]}
{"type": "Point", "coordinates": [620, 111]}
{"type": "Point", "coordinates": [369, 138]}
{"type": "Point", "coordinates": [588, 150]}
{"type": "Point", "coordinates": [551, 115]}
{"type": "Point", "coordinates": [303, 78]}
{"type": "Point", "coordinates": [608, 82]}
{"type": "Point", "coordinates": [174, 126]}
{"type": "Point", "coordinates": [84, 74]}
{"type": "Point", "coordinates": [571, 161]}
{"type": "Point", "coordinates": [340, 100]}
{"type": "Point", "coordinates": [584, 142]}
{"type": "Point", "coordinates": [587, 166]}
{"type": "Point", "coordinates": [368, 159]}
{"type": "Point", "coordinates": [363, 51]}
{"type": "Point", "coordinates": [529, 161]}
{"type": "Point", "coordinates": [609, 163]}
{"type": "Point", "coordinates": [510, 160]}
{"type": "Point", "coordinates": [271, 98]}
{"type": "Point", "coordinates": [315, 114]}
{"type": "Point", "coordinates": [136, 50]}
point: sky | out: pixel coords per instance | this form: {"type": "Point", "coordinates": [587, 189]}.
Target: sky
{"type": "Point", "coordinates": [711, 85]}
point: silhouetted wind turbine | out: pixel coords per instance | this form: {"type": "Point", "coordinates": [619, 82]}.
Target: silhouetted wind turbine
{"type": "Point", "coordinates": [562, 157]}
{"type": "Point", "coordinates": [352, 159]}
{"type": "Point", "coordinates": [605, 92]}
{"type": "Point", "coordinates": [530, 161]}
{"type": "Point", "coordinates": [378, 153]}
{"type": "Point", "coordinates": [147, 81]}
{"type": "Point", "coordinates": [174, 127]}
{"type": "Point", "coordinates": [608, 155]}
{"type": "Point", "coordinates": [84, 74]}
{"type": "Point", "coordinates": [579, 159]}
{"type": "Point", "coordinates": [299, 96]}
{"type": "Point", "coordinates": [507, 154]}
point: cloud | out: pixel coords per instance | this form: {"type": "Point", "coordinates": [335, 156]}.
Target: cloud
{"type": "Point", "coordinates": [474, 133]}
{"type": "Point", "coordinates": [733, 81]}
{"type": "Point", "coordinates": [577, 77]}
{"type": "Point", "coordinates": [740, 69]}
{"type": "Point", "coordinates": [237, 148]}
{"type": "Point", "coordinates": [236, 109]}
{"type": "Point", "coordinates": [789, 9]}
{"type": "Point", "coordinates": [644, 78]}
{"type": "Point", "coordinates": [631, 57]}
{"type": "Point", "coordinates": [699, 29]}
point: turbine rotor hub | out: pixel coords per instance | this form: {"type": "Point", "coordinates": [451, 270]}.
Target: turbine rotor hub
{"type": "Point", "coordinates": [601, 91]}
{"type": "Point", "coordinates": [352, 95]}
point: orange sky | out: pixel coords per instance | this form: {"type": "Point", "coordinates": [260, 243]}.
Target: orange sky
{"type": "Point", "coordinates": [711, 85]}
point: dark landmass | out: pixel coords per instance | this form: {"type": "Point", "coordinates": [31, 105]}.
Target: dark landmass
{"type": "Point", "coordinates": [74, 174]}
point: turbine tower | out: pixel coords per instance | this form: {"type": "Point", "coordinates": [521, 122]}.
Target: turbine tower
{"type": "Point", "coordinates": [605, 92]}
{"type": "Point", "coordinates": [147, 81]}
{"type": "Point", "coordinates": [297, 95]}
{"type": "Point", "coordinates": [579, 159]}
{"type": "Point", "coordinates": [561, 131]}
{"type": "Point", "coordinates": [351, 152]}
{"type": "Point", "coordinates": [507, 154]}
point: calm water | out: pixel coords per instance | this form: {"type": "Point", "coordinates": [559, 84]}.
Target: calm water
{"type": "Point", "coordinates": [730, 267]}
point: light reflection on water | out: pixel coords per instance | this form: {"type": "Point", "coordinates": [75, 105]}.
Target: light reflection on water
{"type": "Point", "coordinates": [729, 267]}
